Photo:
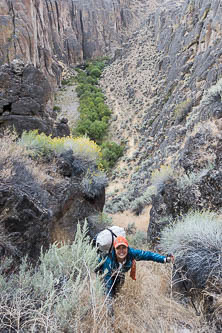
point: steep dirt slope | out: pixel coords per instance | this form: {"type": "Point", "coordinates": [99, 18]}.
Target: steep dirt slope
{"type": "Point", "coordinates": [130, 84]}
{"type": "Point", "coordinates": [154, 87]}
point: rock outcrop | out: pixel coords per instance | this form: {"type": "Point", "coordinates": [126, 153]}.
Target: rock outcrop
{"type": "Point", "coordinates": [26, 101]}
{"type": "Point", "coordinates": [45, 33]}
{"type": "Point", "coordinates": [39, 207]}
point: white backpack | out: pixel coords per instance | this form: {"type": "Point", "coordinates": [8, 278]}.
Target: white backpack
{"type": "Point", "coordinates": [105, 238]}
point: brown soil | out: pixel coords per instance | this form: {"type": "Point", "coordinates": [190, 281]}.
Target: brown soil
{"type": "Point", "coordinates": [67, 100]}
{"type": "Point", "coordinates": [126, 218]}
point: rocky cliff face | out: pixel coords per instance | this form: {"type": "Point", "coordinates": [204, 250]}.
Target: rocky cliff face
{"type": "Point", "coordinates": [42, 202]}
{"type": "Point", "coordinates": [190, 65]}
{"type": "Point", "coordinates": [165, 91]}
{"type": "Point", "coordinates": [47, 32]}
{"type": "Point", "coordinates": [160, 96]}
{"type": "Point", "coordinates": [25, 101]}
{"type": "Point", "coordinates": [43, 35]}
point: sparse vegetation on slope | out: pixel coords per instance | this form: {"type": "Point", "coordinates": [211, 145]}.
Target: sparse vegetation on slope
{"type": "Point", "coordinates": [213, 94]}
{"type": "Point", "coordinates": [59, 295]}
{"type": "Point", "coordinates": [63, 294]}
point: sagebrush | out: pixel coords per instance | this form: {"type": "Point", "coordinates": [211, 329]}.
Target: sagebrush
{"type": "Point", "coordinates": [213, 94]}
{"type": "Point", "coordinates": [196, 241]}
{"type": "Point", "coordinates": [62, 294]}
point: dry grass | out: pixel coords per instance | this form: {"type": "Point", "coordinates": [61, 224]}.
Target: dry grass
{"type": "Point", "coordinates": [16, 165]}
{"type": "Point", "coordinates": [147, 305]}
{"type": "Point", "coordinates": [126, 218]}
{"type": "Point", "coordinates": [144, 305]}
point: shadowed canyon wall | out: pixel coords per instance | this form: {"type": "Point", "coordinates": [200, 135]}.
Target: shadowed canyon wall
{"type": "Point", "coordinates": [45, 32]}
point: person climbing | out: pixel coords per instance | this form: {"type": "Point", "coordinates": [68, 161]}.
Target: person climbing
{"type": "Point", "coordinates": [121, 260]}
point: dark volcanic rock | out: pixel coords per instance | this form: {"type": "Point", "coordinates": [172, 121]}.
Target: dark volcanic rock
{"type": "Point", "coordinates": [45, 32]}
{"type": "Point", "coordinates": [37, 214]}
{"type": "Point", "coordinates": [25, 97]}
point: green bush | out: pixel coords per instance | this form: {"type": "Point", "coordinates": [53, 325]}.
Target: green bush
{"type": "Point", "coordinates": [94, 113]}
{"type": "Point", "coordinates": [100, 221]}
{"type": "Point", "coordinates": [193, 177]}
{"type": "Point", "coordinates": [84, 78]}
{"type": "Point", "coordinates": [139, 203]}
{"type": "Point", "coordinates": [86, 88]}
{"type": "Point", "coordinates": [131, 228]}
{"type": "Point", "coordinates": [111, 151]}
{"type": "Point", "coordinates": [94, 129]}
{"type": "Point", "coordinates": [68, 82]}
{"type": "Point", "coordinates": [56, 108]}
{"type": "Point", "coordinates": [182, 110]}
{"type": "Point", "coordinates": [94, 71]}
{"type": "Point", "coordinates": [99, 62]}
{"type": "Point", "coordinates": [138, 239]}
{"type": "Point", "coordinates": [37, 144]}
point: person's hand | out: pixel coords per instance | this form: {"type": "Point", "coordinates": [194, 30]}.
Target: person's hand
{"type": "Point", "coordinates": [169, 258]}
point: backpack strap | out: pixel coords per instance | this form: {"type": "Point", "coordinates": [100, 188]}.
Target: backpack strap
{"type": "Point", "coordinates": [113, 235]}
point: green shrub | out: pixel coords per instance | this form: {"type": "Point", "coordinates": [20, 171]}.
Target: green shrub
{"type": "Point", "coordinates": [68, 82]}
{"type": "Point", "coordinates": [94, 129]}
{"type": "Point", "coordinates": [131, 228]}
{"type": "Point", "coordinates": [111, 151]}
{"type": "Point", "coordinates": [100, 221]}
{"type": "Point", "coordinates": [196, 241]}
{"type": "Point", "coordinates": [182, 110]}
{"type": "Point", "coordinates": [83, 88]}
{"type": "Point", "coordinates": [37, 144]}
{"type": "Point", "coordinates": [98, 129]}
{"type": "Point", "coordinates": [94, 113]}
{"type": "Point", "coordinates": [84, 78]}
{"type": "Point", "coordinates": [99, 62]}
{"type": "Point", "coordinates": [56, 108]}
{"type": "Point", "coordinates": [94, 71]}
{"type": "Point", "coordinates": [138, 240]}
{"type": "Point", "coordinates": [193, 177]}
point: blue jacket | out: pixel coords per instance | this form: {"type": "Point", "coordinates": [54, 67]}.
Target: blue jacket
{"type": "Point", "coordinates": [110, 264]}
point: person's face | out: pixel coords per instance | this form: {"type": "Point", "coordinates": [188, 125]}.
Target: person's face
{"type": "Point", "coordinates": [121, 252]}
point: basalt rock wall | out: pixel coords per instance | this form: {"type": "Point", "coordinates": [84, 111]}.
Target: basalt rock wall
{"type": "Point", "coordinates": [186, 130]}
{"type": "Point", "coordinates": [25, 101]}
{"type": "Point", "coordinates": [47, 32]}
